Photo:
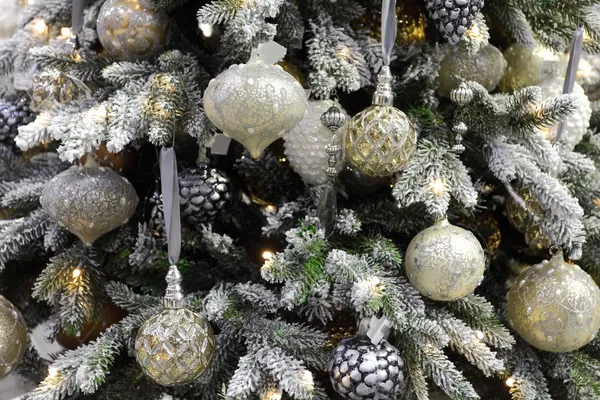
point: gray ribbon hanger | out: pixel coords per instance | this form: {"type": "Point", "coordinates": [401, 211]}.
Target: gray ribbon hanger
{"type": "Point", "coordinates": [77, 17]}
{"type": "Point", "coordinates": [170, 194]}
{"type": "Point", "coordinates": [389, 29]}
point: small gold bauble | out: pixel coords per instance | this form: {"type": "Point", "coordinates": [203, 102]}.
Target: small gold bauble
{"type": "Point", "coordinates": [486, 67]}
{"type": "Point", "coordinates": [13, 337]}
{"type": "Point", "coordinates": [555, 306]}
{"type": "Point", "coordinates": [175, 346]}
{"type": "Point", "coordinates": [486, 225]}
{"type": "Point", "coordinates": [524, 222]}
{"type": "Point", "coordinates": [411, 23]}
{"type": "Point", "coordinates": [445, 262]}
{"type": "Point", "coordinates": [51, 87]}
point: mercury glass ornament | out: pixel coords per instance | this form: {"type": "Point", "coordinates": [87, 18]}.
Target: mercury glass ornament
{"type": "Point", "coordinates": [13, 337]}
{"type": "Point", "coordinates": [89, 201]}
{"type": "Point", "coordinates": [485, 67]}
{"type": "Point", "coordinates": [445, 262]}
{"type": "Point", "coordinates": [577, 124]}
{"type": "Point", "coordinates": [453, 17]}
{"type": "Point", "coordinates": [175, 346]}
{"type": "Point", "coordinates": [381, 139]}
{"type": "Point", "coordinates": [305, 144]}
{"type": "Point", "coordinates": [524, 220]}
{"type": "Point", "coordinates": [14, 112]}
{"type": "Point", "coordinates": [51, 87]}
{"type": "Point", "coordinates": [528, 67]}
{"type": "Point", "coordinates": [204, 193]}
{"type": "Point", "coordinates": [132, 29]}
{"type": "Point", "coordinates": [359, 369]}
{"type": "Point", "coordinates": [255, 104]}
{"type": "Point", "coordinates": [555, 306]}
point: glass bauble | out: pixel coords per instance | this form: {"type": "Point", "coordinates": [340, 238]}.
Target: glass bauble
{"type": "Point", "coordinates": [445, 262]}
{"type": "Point", "coordinates": [175, 346]}
{"type": "Point", "coordinates": [555, 306]}
{"type": "Point", "coordinates": [51, 87]}
{"type": "Point", "coordinates": [485, 67]}
{"type": "Point", "coordinates": [92, 329]}
{"type": "Point", "coordinates": [411, 23]}
{"type": "Point", "coordinates": [14, 112]}
{"type": "Point", "coordinates": [306, 143]}
{"type": "Point", "coordinates": [124, 161]}
{"type": "Point", "coordinates": [132, 29]}
{"type": "Point", "coordinates": [359, 369]}
{"type": "Point", "coordinates": [89, 202]}
{"type": "Point", "coordinates": [577, 124]}
{"type": "Point", "coordinates": [528, 67]}
{"type": "Point", "coordinates": [380, 141]}
{"type": "Point", "coordinates": [204, 193]}
{"type": "Point", "coordinates": [13, 337]}
{"type": "Point", "coordinates": [524, 220]}
{"type": "Point", "coordinates": [255, 104]}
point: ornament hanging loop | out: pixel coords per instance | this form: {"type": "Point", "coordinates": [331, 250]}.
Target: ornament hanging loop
{"type": "Point", "coordinates": [556, 251]}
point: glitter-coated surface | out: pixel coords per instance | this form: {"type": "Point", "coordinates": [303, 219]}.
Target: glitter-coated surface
{"type": "Point", "coordinates": [175, 346]}
{"type": "Point", "coordinates": [486, 67]}
{"type": "Point", "coordinates": [524, 222]}
{"type": "Point", "coordinates": [359, 369]}
{"type": "Point", "coordinates": [89, 202]}
{"type": "Point", "coordinates": [14, 112]}
{"type": "Point", "coordinates": [51, 87]}
{"type": "Point", "coordinates": [445, 262]}
{"type": "Point", "coordinates": [453, 17]}
{"type": "Point", "coordinates": [528, 67]}
{"type": "Point", "coordinates": [132, 29]}
{"type": "Point", "coordinates": [381, 140]}
{"type": "Point", "coordinates": [555, 306]}
{"type": "Point", "coordinates": [306, 143]}
{"type": "Point", "coordinates": [255, 104]}
{"type": "Point", "coordinates": [13, 337]}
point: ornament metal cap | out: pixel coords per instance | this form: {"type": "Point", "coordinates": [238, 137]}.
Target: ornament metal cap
{"type": "Point", "coordinates": [174, 294]}
{"type": "Point", "coordinates": [384, 96]}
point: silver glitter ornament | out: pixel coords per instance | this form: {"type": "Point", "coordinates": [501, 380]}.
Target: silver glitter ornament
{"type": "Point", "coordinates": [306, 143]}
{"type": "Point", "coordinates": [255, 104]}
{"type": "Point", "coordinates": [555, 306]}
{"type": "Point", "coordinates": [14, 112]}
{"type": "Point", "coordinates": [359, 369]}
{"type": "Point", "coordinates": [89, 202]}
{"type": "Point", "coordinates": [445, 262]}
{"type": "Point", "coordinates": [132, 29]}
{"type": "Point", "coordinates": [51, 87]}
{"type": "Point", "coordinates": [462, 95]}
{"type": "Point", "coordinates": [204, 193]}
{"type": "Point", "coordinates": [14, 337]}
{"type": "Point", "coordinates": [334, 118]}
{"type": "Point", "coordinates": [453, 17]}
{"type": "Point", "coordinates": [175, 346]}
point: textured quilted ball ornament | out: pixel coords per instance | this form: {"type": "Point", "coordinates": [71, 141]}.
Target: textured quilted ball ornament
{"type": "Point", "coordinates": [13, 337]}
{"type": "Point", "coordinates": [51, 87]}
{"type": "Point", "coordinates": [204, 193]}
{"type": "Point", "coordinates": [89, 201]}
{"type": "Point", "coordinates": [255, 104]}
{"type": "Point", "coordinates": [359, 369]}
{"type": "Point", "coordinates": [132, 29]}
{"type": "Point", "coordinates": [14, 112]}
{"type": "Point", "coordinates": [485, 67]}
{"type": "Point", "coordinates": [555, 306]}
{"type": "Point", "coordinates": [445, 262]}
{"type": "Point", "coordinates": [381, 139]}
{"type": "Point", "coordinates": [577, 124]}
{"type": "Point", "coordinates": [453, 17]}
{"type": "Point", "coordinates": [305, 145]}
{"type": "Point", "coordinates": [175, 346]}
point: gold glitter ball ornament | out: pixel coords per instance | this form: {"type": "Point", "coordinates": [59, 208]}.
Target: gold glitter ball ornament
{"type": "Point", "coordinates": [524, 222]}
{"type": "Point", "coordinates": [555, 306]}
{"type": "Point", "coordinates": [53, 87]}
{"type": "Point", "coordinates": [132, 29]}
{"type": "Point", "coordinates": [445, 262]}
{"type": "Point", "coordinates": [13, 337]}
{"type": "Point", "coordinates": [410, 21]}
{"type": "Point", "coordinates": [381, 139]}
{"type": "Point", "coordinates": [485, 67]}
{"type": "Point", "coordinates": [255, 104]}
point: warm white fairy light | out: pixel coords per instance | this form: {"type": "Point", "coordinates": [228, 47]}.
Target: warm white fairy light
{"type": "Point", "coordinates": [207, 29]}
{"type": "Point", "coordinates": [39, 27]}
{"type": "Point", "coordinates": [510, 381]}
{"type": "Point", "coordinates": [479, 335]}
{"type": "Point", "coordinates": [271, 208]}
{"type": "Point", "coordinates": [437, 186]}
{"type": "Point", "coordinates": [52, 372]}
{"type": "Point", "coordinates": [272, 394]}
{"type": "Point", "coordinates": [267, 255]}
{"type": "Point", "coordinates": [65, 33]}
{"type": "Point", "coordinates": [76, 273]}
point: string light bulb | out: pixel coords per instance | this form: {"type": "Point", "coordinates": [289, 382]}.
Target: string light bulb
{"type": "Point", "coordinates": [76, 273]}
{"type": "Point", "coordinates": [272, 394]}
{"type": "Point", "coordinates": [39, 27]}
{"type": "Point", "coordinates": [510, 382]}
{"type": "Point", "coordinates": [65, 33]}
{"type": "Point", "coordinates": [479, 335]}
{"type": "Point", "coordinates": [52, 372]}
{"type": "Point", "coordinates": [267, 255]}
{"type": "Point", "coordinates": [437, 186]}
{"type": "Point", "coordinates": [207, 29]}
{"type": "Point", "coordinates": [271, 208]}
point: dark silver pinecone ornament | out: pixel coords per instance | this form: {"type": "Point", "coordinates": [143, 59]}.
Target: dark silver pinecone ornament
{"type": "Point", "coordinates": [359, 369]}
{"type": "Point", "coordinates": [14, 112]}
{"type": "Point", "coordinates": [204, 193]}
{"type": "Point", "coordinates": [453, 17]}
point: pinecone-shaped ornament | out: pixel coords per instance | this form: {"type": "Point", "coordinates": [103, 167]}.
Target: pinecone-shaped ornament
{"type": "Point", "coordinates": [204, 193]}
{"type": "Point", "coordinates": [14, 112]}
{"type": "Point", "coordinates": [453, 17]}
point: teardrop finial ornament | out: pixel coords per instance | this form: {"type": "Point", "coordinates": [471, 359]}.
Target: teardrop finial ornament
{"type": "Point", "coordinates": [333, 119]}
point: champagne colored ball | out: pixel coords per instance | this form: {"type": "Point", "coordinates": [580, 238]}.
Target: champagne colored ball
{"type": "Point", "coordinates": [175, 346]}
{"type": "Point", "coordinates": [13, 337]}
{"type": "Point", "coordinates": [528, 67]}
{"type": "Point", "coordinates": [486, 67]}
{"type": "Point", "coordinates": [445, 262]}
{"type": "Point", "coordinates": [255, 104]}
{"type": "Point", "coordinates": [380, 141]}
{"type": "Point", "coordinates": [132, 29]}
{"type": "Point", "coordinates": [555, 306]}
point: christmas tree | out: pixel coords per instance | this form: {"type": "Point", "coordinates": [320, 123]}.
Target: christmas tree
{"type": "Point", "coordinates": [301, 199]}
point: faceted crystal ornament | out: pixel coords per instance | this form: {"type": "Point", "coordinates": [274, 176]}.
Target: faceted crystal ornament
{"type": "Point", "coordinates": [204, 193]}
{"type": "Point", "coordinates": [14, 112]}
{"type": "Point", "coordinates": [359, 369]}
{"type": "Point", "coordinates": [132, 29]}
{"type": "Point", "coordinates": [381, 139]}
{"type": "Point", "coordinates": [89, 202]}
{"type": "Point", "coordinates": [13, 337]}
{"type": "Point", "coordinates": [51, 87]}
{"type": "Point", "coordinates": [327, 208]}
{"type": "Point", "coordinates": [306, 143]}
{"type": "Point", "coordinates": [555, 306]}
{"type": "Point", "coordinates": [453, 17]}
{"type": "Point", "coordinates": [445, 262]}
{"type": "Point", "coordinates": [255, 104]}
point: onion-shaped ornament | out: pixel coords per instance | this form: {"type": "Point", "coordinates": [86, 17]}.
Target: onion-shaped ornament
{"type": "Point", "coordinates": [462, 95]}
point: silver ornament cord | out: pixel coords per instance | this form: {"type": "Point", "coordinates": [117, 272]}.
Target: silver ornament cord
{"type": "Point", "coordinates": [389, 29]}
